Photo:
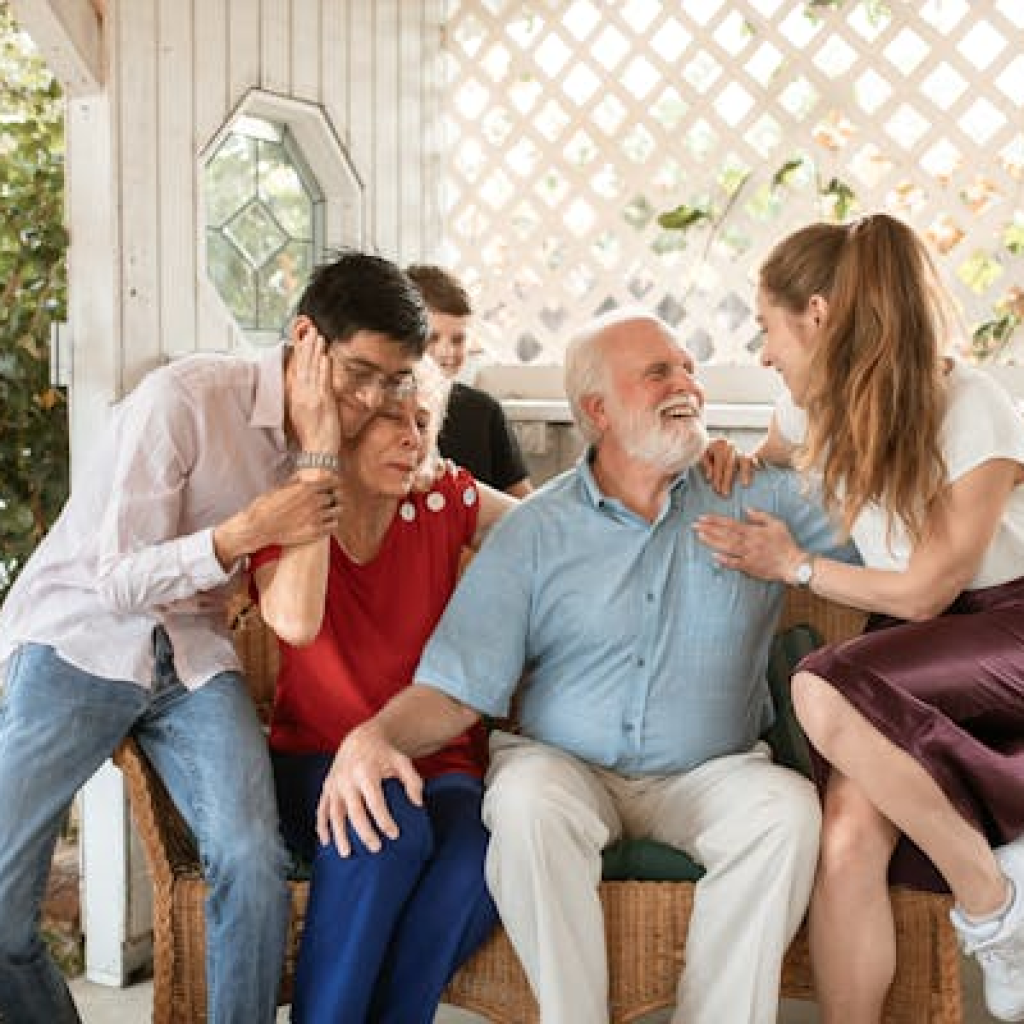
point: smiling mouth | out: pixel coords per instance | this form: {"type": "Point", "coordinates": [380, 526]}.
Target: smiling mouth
{"type": "Point", "coordinates": [679, 409]}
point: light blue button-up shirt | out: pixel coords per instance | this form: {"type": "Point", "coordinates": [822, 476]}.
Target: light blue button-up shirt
{"type": "Point", "coordinates": [636, 651]}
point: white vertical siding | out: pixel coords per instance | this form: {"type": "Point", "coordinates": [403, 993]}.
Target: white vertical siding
{"type": "Point", "coordinates": [176, 187]}
{"type": "Point", "coordinates": [362, 98]}
{"type": "Point", "coordinates": [335, 50]}
{"type": "Point", "coordinates": [243, 48]}
{"type": "Point", "coordinates": [306, 62]}
{"type": "Point", "coordinates": [179, 69]}
{"type": "Point", "coordinates": [386, 138]}
{"type": "Point", "coordinates": [212, 91]}
{"type": "Point", "coordinates": [275, 45]}
{"type": "Point", "coordinates": [408, 85]}
{"type": "Point", "coordinates": [218, 65]}
{"type": "Point", "coordinates": [137, 117]}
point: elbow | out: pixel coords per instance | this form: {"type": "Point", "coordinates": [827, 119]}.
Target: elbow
{"type": "Point", "coordinates": [467, 715]}
{"type": "Point", "coordinates": [297, 635]}
{"type": "Point", "coordinates": [457, 716]}
{"type": "Point", "coordinates": [294, 630]}
{"type": "Point", "coordinates": [921, 611]}
{"type": "Point", "coordinates": [928, 603]}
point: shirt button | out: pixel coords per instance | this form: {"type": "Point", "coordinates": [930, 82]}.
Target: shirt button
{"type": "Point", "coordinates": [650, 597]}
{"type": "Point", "coordinates": [640, 662]}
{"type": "Point", "coordinates": [628, 727]}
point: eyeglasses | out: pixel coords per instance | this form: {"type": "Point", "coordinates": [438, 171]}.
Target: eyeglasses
{"type": "Point", "coordinates": [370, 384]}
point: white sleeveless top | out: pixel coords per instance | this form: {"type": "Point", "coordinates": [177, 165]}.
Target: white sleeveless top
{"type": "Point", "coordinates": [981, 423]}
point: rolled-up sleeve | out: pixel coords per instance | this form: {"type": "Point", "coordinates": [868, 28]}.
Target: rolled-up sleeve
{"type": "Point", "coordinates": [142, 562]}
{"type": "Point", "coordinates": [478, 651]}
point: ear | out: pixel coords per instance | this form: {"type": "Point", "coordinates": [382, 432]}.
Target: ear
{"type": "Point", "coordinates": [593, 408]}
{"type": "Point", "coordinates": [302, 328]}
{"type": "Point", "coordinates": [817, 309]}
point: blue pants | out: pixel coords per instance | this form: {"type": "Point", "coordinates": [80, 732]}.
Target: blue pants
{"type": "Point", "coordinates": [386, 931]}
{"type": "Point", "coordinates": [57, 726]}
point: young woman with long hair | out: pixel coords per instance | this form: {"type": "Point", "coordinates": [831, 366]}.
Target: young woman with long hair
{"type": "Point", "coordinates": [918, 725]}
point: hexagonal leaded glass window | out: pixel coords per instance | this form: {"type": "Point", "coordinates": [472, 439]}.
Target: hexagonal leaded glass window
{"type": "Point", "coordinates": [263, 224]}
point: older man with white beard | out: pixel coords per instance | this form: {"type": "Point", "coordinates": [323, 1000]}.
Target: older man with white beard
{"type": "Point", "coordinates": [639, 673]}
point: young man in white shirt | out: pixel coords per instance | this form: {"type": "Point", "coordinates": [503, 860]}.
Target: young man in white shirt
{"type": "Point", "coordinates": [117, 624]}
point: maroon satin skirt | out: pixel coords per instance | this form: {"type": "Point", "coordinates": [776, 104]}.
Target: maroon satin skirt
{"type": "Point", "coordinates": [950, 692]}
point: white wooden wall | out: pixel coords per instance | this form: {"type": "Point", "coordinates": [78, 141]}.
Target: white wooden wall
{"type": "Point", "coordinates": [178, 70]}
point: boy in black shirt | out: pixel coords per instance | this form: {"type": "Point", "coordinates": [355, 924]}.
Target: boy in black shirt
{"type": "Point", "coordinates": [475, 433]}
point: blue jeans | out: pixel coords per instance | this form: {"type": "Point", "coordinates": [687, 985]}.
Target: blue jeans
{"type": "Point", "coordinates": [57, 726]}
{"type": "Point", "coordinates": [386, 931]}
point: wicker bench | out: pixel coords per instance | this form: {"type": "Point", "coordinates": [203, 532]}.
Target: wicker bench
{"type": "Point", "coordinates": [645, 921]}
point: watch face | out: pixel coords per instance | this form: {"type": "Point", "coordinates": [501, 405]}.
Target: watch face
{"type": "Point", "coordinates": [804, 571]}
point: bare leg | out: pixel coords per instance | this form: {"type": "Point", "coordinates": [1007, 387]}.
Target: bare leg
{"type": "Point", "coordinates": [903, 792]}
{"type": "Point", "coordinates": [852, 937]}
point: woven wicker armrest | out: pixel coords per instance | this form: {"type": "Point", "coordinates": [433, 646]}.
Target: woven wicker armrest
{"type": "Point", "coordinates": [170, 848]}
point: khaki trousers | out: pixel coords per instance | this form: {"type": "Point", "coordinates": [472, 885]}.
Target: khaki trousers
{"type": "Point", "coordinates": [753, 825]}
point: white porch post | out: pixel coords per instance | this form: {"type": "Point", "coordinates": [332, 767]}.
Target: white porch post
{"type": "Point", "coordinates": [116, 895]}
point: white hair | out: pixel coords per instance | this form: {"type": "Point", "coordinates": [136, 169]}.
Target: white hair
{"type": "Point", "coordinates": [433, 389]}
{"type": "Point", "coordinates": [586, 372]}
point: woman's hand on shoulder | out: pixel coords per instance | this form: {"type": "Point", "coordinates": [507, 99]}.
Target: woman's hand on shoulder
{"type": "Point", "coordinates": [722, 463]}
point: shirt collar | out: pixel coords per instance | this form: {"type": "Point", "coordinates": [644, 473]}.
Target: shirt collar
{"type": "Point", "coordinates": [598, 498]}
{"type": "Point", "coordinates": [268, 405]}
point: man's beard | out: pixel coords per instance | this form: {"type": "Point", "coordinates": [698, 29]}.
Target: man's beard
{"type": "Point", "coordinates": [669, 447]}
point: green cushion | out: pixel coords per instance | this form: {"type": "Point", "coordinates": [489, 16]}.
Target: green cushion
{"type": "Point", "coordinates": [650, 861]}
{"type": "Point", "coordinates": [786, 737]}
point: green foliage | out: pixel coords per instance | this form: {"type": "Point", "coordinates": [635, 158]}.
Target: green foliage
{"type": "Point", "coordinates": [838, 201]}
{"type": "Point", "coordinates": [33, 415]}
{"type": "Point", "coordinates": [1013, 238]}
{"type": "Point", "coordinates": [841, 196]}
{"type": "Point", "coordinates": [877, 10]}
{"type": "Point", "coordinates": [993, 335]}
{"type": "Point", "coordinates": [684, 217]}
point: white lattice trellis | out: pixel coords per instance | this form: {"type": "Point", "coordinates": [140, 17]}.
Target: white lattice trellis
{"type": "Point", "coordinates": [571, 126]}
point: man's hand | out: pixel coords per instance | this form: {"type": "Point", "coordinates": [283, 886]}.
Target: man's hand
{"type": "Point", "coordinates": [312, 407]}
{"type": "Point", "coordinates": [761, 547]}
{"type": "Point", "coordinates": [295, 513]}
{"type": "Point", "coordinates": [722, 462]}
{"type": "Point", "coordinates": [353, 791]}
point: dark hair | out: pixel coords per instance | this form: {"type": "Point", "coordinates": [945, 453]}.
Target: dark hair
{"type": "Point", "coordinates": [442, 291]}
{"type": "Point", "coordinates": [358, 291]}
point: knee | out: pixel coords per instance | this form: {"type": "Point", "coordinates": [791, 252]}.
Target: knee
{"type": "Point", "coordinates": [793, 818]}
{"type": "Point", "coordinates": [414, 842]}
{"type": "Point", "coordinates": [815, 704]}
{"type": "Point", "coordinates": [534, 832]}
{"type": "Point", "coordinates": [856, 844]}
{"type": "Point", "coordinates": [522, 810]}
{"type": "Point", "coordinates": [253, 856]}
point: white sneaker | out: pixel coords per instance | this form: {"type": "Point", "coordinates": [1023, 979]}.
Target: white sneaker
{"type": "Point", "coordinates": [999, 949]}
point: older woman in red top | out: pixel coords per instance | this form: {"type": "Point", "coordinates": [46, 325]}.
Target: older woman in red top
{"type": "Point", "coordinates": [385, 927]}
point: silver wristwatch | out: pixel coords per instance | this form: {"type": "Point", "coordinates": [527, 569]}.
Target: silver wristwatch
{"type": "Point", "coordinates": [804, 572]}
{"type": "Point", "coordinates": [318, 460]}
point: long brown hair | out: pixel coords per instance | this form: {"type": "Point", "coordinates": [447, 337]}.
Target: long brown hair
{"type": "Point", "coordinates": [876, 396]}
